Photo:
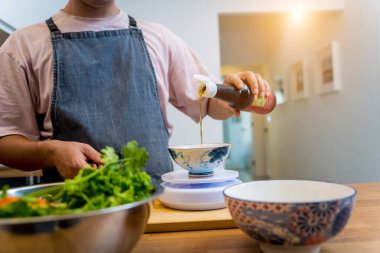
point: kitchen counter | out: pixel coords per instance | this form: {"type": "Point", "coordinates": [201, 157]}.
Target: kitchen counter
{"type": "Point", "coordinates": [361, 234]}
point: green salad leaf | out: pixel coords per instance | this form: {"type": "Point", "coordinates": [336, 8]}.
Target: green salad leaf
{"type": "Point", "coordinates": [119, 181]}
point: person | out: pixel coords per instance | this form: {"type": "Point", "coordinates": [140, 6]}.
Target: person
{"type": "Point", "coordinates": [92, 76]}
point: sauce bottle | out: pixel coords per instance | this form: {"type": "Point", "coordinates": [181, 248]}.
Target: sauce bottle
{"type": "Point", "coordinates": [238, 99]}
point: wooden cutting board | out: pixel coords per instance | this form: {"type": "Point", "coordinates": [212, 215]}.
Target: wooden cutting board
{"type": "Point", "coordinates": [164, 219]}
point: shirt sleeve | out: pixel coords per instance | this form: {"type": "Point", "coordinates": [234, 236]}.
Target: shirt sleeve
{"type": "Point", "coordinates": [17, 114]}
{"type": "Point", "coordinates": [183, 92]}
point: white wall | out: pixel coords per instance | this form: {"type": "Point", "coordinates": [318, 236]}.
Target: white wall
{"type": "Point", "coordinates": [332, 137]}
{"type": "Point", "coordinates": [19, 13]}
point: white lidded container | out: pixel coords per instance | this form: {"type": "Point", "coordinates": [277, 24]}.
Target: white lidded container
{"type": "Point", "coordinates": [197, 193]}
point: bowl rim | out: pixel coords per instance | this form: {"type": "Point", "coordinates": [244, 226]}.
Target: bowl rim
{"type": "Point", "coordinates": [353, 195]}
{"type": "Point", "coordinates": [52, 218]}
{"type": "Point", "coordinates": [199, 146]}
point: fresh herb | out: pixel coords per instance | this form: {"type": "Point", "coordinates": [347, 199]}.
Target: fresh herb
{"type": "Point", "coordinates": [119, 181]}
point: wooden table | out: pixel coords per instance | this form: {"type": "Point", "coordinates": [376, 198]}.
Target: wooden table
{"type": "Point", "coordinates": [361, 235]}
{"type": "Point", "coordinates": [163, 219]}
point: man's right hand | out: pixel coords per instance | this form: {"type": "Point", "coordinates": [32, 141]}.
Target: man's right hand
{"type": "Point", "coordinates": [68, 157]}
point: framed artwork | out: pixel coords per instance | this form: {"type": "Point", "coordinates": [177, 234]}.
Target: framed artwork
{"type": "Point", "coordinates": [298, 80]}
{"type": "Point", "coordinates": [279, 89]}
{"type": "Point", "coordinates": [327, 69]}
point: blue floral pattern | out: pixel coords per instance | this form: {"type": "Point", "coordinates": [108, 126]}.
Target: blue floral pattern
{"type": "Point", "coordinates": [291, 224]}
{"type": "Point", "coordinates": [217, 154]}
{"type": "Point", "coordinates": [305, 223]}
{"type": "Point", "coordinates": [173, 154]}
{"type": "Point", "coordinates": [198, 161]}
{"type": "Point", "coordinates": [324, 210]}
{"type": "Point", "coordinates": [341, 220]}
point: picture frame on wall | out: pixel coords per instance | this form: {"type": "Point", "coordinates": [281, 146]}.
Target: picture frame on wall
{"type": "Point", "coordinates": [280, 89]}
{"type": "Point", "coordinates": [327, 69]}
{"type": "Point", "coordinates": [298, 80]}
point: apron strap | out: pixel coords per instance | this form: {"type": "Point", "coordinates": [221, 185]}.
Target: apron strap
{"type": "Point", "coordinates": [132, 22]}
{"type": "Point", "coordinates": [52, 26]}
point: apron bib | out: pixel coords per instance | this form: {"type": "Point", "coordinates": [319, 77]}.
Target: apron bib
{"type": "Point", "coordinates": [105, 94]}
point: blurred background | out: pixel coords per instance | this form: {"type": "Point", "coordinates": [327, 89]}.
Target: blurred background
{"type": "Point", "coordinates": [320, 56]}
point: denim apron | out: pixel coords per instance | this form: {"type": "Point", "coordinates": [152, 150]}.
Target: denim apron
{"type": "Point", "coordinates": [105, 94]}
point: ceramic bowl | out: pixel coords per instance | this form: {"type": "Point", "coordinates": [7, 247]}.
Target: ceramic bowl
{"type": "Point", "coordinates": [200, 159]}
{"type": "Point", "coordinates": [290, 215]}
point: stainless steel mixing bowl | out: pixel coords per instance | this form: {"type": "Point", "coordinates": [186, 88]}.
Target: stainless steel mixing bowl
{"type": "Point", "coordinates": [110, 230]}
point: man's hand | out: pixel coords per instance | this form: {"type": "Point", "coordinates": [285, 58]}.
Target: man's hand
{"type": "Point", "coordinates": [70, 157]}
{"type": "Point", "coordinates": [257, 85]}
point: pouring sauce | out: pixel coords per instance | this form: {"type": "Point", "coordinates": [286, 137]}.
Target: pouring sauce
{"type": "Point", "coordinates": [200, 93]}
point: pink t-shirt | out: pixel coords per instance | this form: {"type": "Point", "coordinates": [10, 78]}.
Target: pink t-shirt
{"type": "Point", "coordinates": [26, 71]}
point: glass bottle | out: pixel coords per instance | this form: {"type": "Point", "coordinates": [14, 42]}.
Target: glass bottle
{"type": "Point", "coordinates": [238, 99]}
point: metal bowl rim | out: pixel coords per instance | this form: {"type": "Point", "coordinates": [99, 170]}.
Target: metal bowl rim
{"type": "Point", "coordinates": [51, 218]}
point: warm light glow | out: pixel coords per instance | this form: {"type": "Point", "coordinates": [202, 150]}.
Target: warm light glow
{"type": "Point", "coordinates": [298, 14]}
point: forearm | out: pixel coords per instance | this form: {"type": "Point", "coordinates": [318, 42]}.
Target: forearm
{"type": "Point", "coordinates": [19, 152]}
{"type": "Point", "coordinates": [68, 157]}
{"type": "Point", "coordinates": [220, 110]}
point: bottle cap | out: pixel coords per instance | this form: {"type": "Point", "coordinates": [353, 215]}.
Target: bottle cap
{"type": "Point", "coordinates": [206, 87]}
{"type": "Point", "coordinates": [201, 78]}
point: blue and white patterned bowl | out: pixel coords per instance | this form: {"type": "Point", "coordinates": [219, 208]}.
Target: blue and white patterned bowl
{"type": "Point", "coordinates": [200, 159]}
{"type": "Point", "coordinates": [290, 215]}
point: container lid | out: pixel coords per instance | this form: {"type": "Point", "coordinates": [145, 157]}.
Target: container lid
{"type": "Point", "coordinates": [182, 177]}
{"type": "Point", "coordinates": [206, 87]}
